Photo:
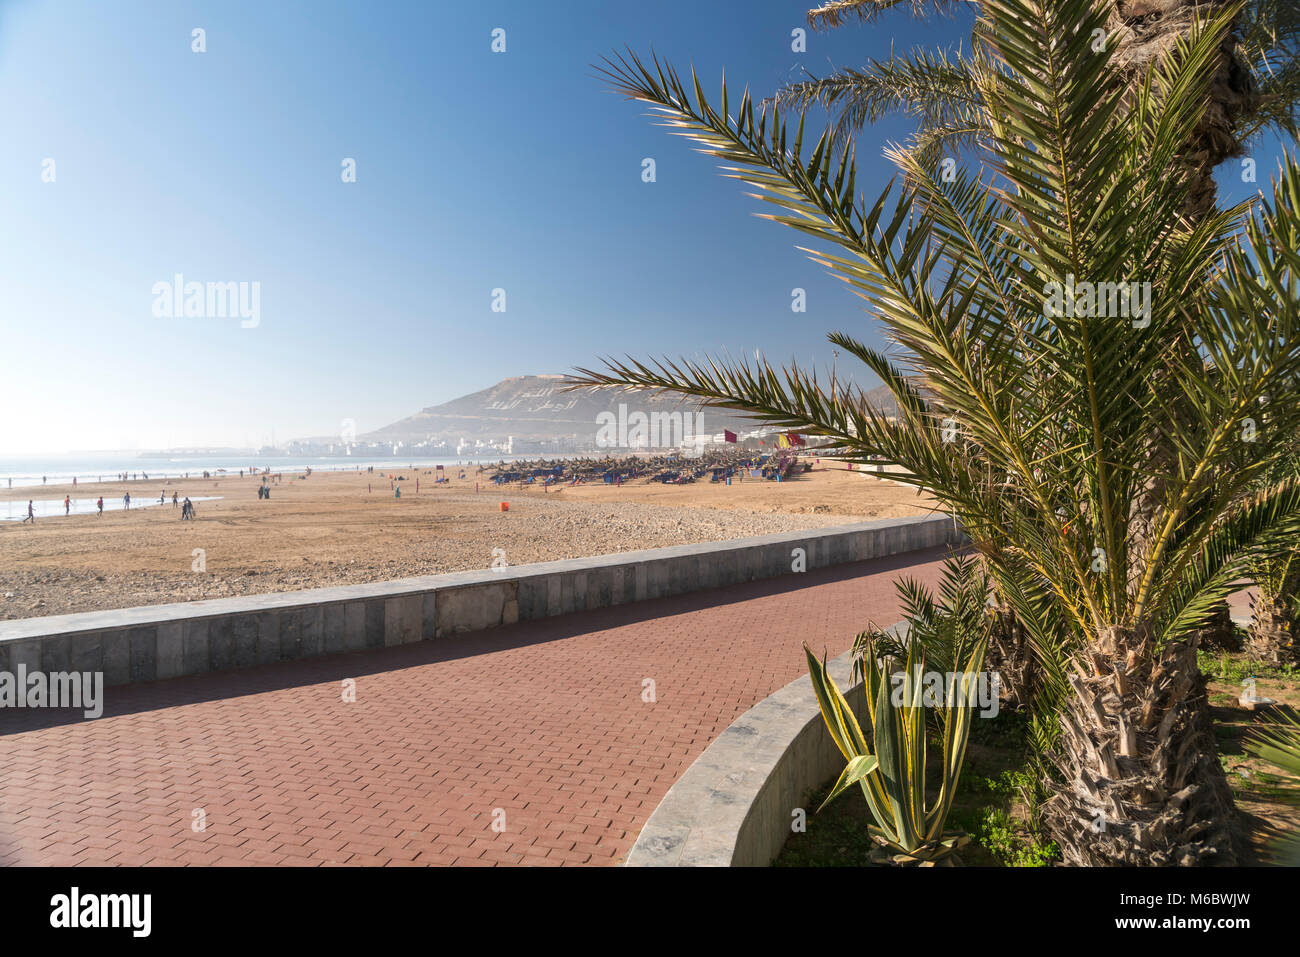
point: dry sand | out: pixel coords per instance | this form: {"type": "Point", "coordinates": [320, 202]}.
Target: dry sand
{"type": "Point", "coordinates": [329, 530]}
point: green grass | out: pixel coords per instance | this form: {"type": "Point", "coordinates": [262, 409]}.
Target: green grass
{"type": "Point", "coordinates": [1010, 843]}
{"type": "Point", "coordinates": [1000, 812]}
{"type": "Point", "coordinates": [837, 837]}
{"type": "Point", "coordinates": [1237, 668]}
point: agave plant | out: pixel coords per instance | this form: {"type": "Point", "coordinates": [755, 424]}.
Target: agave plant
{"type": "Point", "coordinates": [1093, 456]}
{"type": "Point", "coordinates": [887, 760]}
{"type": "Point", "coordinates": [1279, 744]}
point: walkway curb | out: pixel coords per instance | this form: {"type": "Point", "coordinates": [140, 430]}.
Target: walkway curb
{"type": "Point", "coordinates": [734, 807]}
{"type": "Point", "coordinates": [166, 641]}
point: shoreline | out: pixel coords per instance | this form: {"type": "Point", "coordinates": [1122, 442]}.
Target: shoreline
{"type": "Point", "coordinates": [26, 483]}
{"type": "Point", "coordinates": [345, 528]}
{"type": "Point", "coordinates": [23, 483]}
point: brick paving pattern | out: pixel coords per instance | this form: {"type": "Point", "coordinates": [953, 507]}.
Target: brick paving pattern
{"type": "Point", "coordinates": [538, 726]}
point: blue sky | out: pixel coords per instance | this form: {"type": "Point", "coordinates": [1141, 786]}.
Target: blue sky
{"type": "Point", "coordinates": [475, 171]}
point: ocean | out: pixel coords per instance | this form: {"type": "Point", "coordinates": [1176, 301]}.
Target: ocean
{"type": "Point", "coordinates": [35, 471]}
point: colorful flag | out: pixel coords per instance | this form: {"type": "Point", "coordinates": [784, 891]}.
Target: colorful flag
{"type": "Point", "coordinates": [728, 435]}
{"type": "Point", "coordinates": [796, 439]}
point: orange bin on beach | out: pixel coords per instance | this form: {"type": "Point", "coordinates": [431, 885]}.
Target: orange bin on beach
{"type": "Point", "coordinates": [505, 506]}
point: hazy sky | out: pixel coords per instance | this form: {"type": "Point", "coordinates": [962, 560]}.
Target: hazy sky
{"type": "Point", "coordinates": [474, 171]}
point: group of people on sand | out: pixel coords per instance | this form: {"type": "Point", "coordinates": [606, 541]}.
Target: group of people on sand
{"type": "Point", "coordinates": [186, 506]}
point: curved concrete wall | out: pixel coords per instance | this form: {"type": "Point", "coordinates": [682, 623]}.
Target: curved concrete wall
{"type": "Point", "coordinates": [165, 641]}
{"type": "Point", "coordinates": [734, 807]}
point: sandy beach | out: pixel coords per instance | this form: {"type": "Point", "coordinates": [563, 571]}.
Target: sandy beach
{"type": "Point", "coordinates": [328, 529]}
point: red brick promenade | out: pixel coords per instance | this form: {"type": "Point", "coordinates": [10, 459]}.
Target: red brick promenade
{"type": "Point", "coordinates": [543, 721]}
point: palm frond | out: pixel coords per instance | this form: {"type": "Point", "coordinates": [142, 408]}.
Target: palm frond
{"type": "Point", "coordinates": [1279, 744]}
{"type": "Point", "coordinates": [1093, 456]}
{"type": "Point", "coordinates": [938, 90]}
{"type": "Point", "coordinates": [835, 13]}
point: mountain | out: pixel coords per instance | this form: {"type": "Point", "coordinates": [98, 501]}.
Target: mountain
{"type": "Point", "coordinates": [883, 400]}
{"type": "Point", "coordinates": [534, 408]}
{"type": "Point", "coordinates": [534, 413]}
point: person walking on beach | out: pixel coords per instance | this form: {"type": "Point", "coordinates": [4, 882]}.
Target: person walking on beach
{"type": "Point", "coordinates": [100, 503]}
{"type": "Point", "coordinates": [67, 505]}
{"type": "Point", "coordinates": [31, 514]}
{"type": "Point", "coordinates": [126, 501]}
{"type": "Point", "coordinates": [174, 502]}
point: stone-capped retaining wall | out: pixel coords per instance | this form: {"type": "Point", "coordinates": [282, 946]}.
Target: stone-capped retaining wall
{"type": "Point", "coordinates": [734, 806]}
{"type": "Point", "coordinates": [164, 641]}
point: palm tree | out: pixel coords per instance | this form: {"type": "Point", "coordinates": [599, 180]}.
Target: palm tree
{"type": "Point", "coordinates": [1274, 627]}
{"type": "Point", "coordinates": [1060, 406]}
{"type": "Point", "coordinates": [1256, 87]}
{"type": "Point", "coordinates": [1275, 618]}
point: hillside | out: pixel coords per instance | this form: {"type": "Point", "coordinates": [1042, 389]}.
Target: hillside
{"type": "Point", "coordinates": [537, 414]}
{"type": "Point", "coordinates": [534, 407]}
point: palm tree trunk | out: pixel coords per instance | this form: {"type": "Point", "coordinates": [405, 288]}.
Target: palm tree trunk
{"type": "Point", "coordinates": [1220, 632]}
{"type": "Point", "coordinates": [1139, 750]}
{"type": "Point", "coordinates": [1011, 657]}
{"type": "Point", "coordinates": [1152, 27]}
{"type": "Point", "coordinates": [1142, 784]}
{"type": "Point", "coordinates": [1273, 631]}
